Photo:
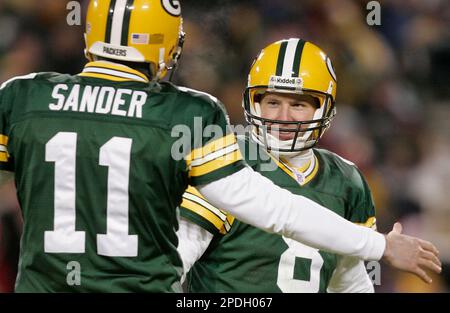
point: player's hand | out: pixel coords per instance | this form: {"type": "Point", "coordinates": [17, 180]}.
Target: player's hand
{"type": "Point", "coordinates": [411, 254]}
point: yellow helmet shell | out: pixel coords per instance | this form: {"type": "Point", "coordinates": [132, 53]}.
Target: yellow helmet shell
{"type": "Point", "coordinates": [293, 65]}
{"type": "Point", "coordinates": [147, 31]}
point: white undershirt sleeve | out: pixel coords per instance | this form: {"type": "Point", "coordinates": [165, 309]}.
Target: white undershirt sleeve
{"type": "Point", "coordinates": [350, 275]}
{"type": "Point", "coordinates": [193, 241]}
{"type": "Point", "coordinates": [257, 201]}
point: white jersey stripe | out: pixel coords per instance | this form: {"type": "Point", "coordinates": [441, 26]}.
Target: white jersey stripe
{"type": "Point", "coordinates": [185, 89]}
{"type": "Point", "coordinates": [99, 70]}
{"type": "Point", "coordinates": [215, 155]}
{"type": "Point", "coordinates": [206, 205]}
{"type": "Point", "coordinates": [29, 76]}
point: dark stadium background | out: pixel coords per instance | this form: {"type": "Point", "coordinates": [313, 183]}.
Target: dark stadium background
{"type": "Point", "coordinates": [393, 95]}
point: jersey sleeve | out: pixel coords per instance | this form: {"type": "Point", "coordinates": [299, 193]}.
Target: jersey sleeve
{"type": "Point", "coordinates": [8, 90]}
{"type": "Point", "coordinates": [5, 158]}
{"type": "Point", "coordinates": [198, 210]}
{"type": "Point", "coordinates": [215, 152]}
{"type": "Point", "coordinates": [363, 208]}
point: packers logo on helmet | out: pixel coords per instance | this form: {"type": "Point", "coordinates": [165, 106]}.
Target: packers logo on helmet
{"type": "Point", "coordinates": [291, 66]}
{"type": "Point", "coordinates": [172, 7]}
{"type": "Point", "coordinates": [146, 31]}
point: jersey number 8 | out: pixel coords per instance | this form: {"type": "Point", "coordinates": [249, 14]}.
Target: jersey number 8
{"type": "Point", "coordinates": [286, 280]}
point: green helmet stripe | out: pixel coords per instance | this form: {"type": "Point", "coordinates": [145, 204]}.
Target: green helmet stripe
{"type": "Point", "coordinates": [297, 58]}
{"type": "Point", "coordinates": [281, 56]}
{"type": "Point", "coordinates": [109, 21]}
{"type": "Point", "coordinates": [126, 23]}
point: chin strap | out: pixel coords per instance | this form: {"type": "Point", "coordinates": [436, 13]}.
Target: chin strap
{"type": "Point", "coordinates": [176, 56]}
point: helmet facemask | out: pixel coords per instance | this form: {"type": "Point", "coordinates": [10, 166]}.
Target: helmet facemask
{"type": "Point", "coordinates": [306, 133]}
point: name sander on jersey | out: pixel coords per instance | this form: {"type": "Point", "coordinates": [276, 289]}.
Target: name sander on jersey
{"type": "Point", "coordinates": [98, 99]}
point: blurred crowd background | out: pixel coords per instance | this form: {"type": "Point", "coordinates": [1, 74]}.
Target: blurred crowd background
{"type": "Point", "coordinates": [393, 94]}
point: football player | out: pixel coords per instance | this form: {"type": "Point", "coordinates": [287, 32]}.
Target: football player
{"type": "Point", "coordinates": [97, 177]}
{"type": "Point", "coordinates": [289, 103]}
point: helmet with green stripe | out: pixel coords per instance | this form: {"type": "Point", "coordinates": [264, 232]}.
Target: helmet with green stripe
{"type": "Point", "coordinates": [291, 66]}
{"type": "Point", "coordinates": [140, 31]}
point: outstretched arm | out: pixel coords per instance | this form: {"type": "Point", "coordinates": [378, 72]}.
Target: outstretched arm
{"type": "Point", "coordinates": [256, 200]}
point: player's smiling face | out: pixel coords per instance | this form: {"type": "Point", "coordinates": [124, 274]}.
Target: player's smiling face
{"type": "Point", "coordinates": [286, 107]}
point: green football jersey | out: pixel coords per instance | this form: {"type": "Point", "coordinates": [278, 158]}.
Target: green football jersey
{"type": "Point", "coordinates": [242, 258]}
{"type": "Point", "coordinates": [101, 162]}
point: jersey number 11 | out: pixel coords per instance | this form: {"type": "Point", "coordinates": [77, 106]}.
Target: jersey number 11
{"type": "Point", "coordinates": [115, 154]}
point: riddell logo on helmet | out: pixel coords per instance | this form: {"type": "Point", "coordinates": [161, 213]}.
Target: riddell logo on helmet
{"type": "Point", "coordinates": [281, 80]}
{"type": "Point", "coordinates": [113, 51]}
{"type": "Point", "coordinates": [285, 82]}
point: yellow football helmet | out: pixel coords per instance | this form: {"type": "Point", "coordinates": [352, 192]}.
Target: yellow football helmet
{"type": "Point", "coordinates": [291, 66]}
{"type": "Point", "coordinates": [149, 31]}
